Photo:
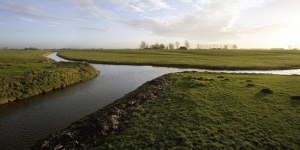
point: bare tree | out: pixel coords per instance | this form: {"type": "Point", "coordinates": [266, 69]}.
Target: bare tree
{"type": "Point", "coordinates": [171, 46]}
{"type": "Point", "coordinates": [177, 44]}
{"type": "Point", "coordinates": [234, 46]}
{"type": "Point", "coordinates": [226, 47]}
{"type": "Point", "coordinates": [293, 47]}
{"type": "Point", "coordinates": [143, 45]}
{"type": "Point", "coordinates": [187, 44]}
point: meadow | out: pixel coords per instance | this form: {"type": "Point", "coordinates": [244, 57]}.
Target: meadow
{"type": "Point", "coordinates": [17, 62]}
{"type": "Point", "coordinates": [216, 111]}
{"type": "Point", "coordinates": [25, 73]}
{"type": "Point", "coordinates": [201, 59]}
{"type": "Point", "coordinates": [194, 110]}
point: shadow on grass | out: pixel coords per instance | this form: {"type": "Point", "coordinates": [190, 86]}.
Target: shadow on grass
{"type": "Point", "coordinates": [295, 101]}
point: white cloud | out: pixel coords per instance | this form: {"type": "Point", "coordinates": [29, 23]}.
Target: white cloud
{"type": "Point", "coordinates": [186, 1]}
{"type": "Point", "coordinates": [159, 4]}
{"type": "Point", "coordinates": [262, 29]}
{"type": "Point", "coordinates": [32, 13]}
{"type": "Point", "coordinates": [91, 8]}
{"type": "Point", "coordinates": [213, 20]}
{"type": "Point", "coordinates": [127, 5]}
{"type": "Point", "coordinates": [26, 19]}
{"type": "Point", "coordinates": [92, 28]}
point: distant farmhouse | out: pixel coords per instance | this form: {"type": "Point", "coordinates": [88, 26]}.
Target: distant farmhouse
{"type": "Point", "coordinates": [183, 48]}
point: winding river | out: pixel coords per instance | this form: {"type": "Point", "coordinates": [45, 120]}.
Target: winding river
{"type": "Point", "coordinates": [24, 122]}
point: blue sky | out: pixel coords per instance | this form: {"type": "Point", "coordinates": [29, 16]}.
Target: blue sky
{"type": "Point", "coordinates": [125, 23]}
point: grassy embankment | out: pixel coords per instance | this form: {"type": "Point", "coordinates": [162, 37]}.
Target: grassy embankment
{"type": "Point", "coordinates": [194, 111]}
{"type": "Point", "coordinates": [202, 59]}
{"type": "Point", "coordinates": [27, 73]}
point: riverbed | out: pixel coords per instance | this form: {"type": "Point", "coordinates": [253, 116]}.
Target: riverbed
{"type": "Point", "coordinates": [24, 122]}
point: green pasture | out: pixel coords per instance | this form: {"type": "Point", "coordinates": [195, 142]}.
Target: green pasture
{"type": "Point", "coordinates": [25, 73]}
{"type": "Point", "coordinates": [202, 59]}
{"type": "Point", "coordinates": [18, 62]}
{"type": "Point", "coordinates": [216, 111]}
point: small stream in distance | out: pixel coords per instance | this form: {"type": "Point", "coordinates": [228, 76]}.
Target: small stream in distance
{"type": "Point", "coordinates": [24, 122]}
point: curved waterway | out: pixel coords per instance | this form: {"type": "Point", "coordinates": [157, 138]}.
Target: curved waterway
{"type": "Point", "coordinates": [24, 122]}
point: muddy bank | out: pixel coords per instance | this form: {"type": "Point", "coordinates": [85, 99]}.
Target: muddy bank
{"type": "Point", "coordinates": [14, 88]}
{"type": "Point", "coordinates": [96, 126]}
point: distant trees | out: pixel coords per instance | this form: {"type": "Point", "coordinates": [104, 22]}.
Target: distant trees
{"type": "Point", "coordinates": [157, 46]}
{"type": "Point", "coordinates": [30, 48]}
{"type": "Point", "coordinates": [143, 45]}
{"type": "Point", "coordinates": [234, 46]}
{"type": "Point", "coordinates": [171, 46]}
{"type": "Point", "coordinates": [177, 44]}
{"type": "Point", "coordinates": [162, 46]}
{"type": "Point", "coordinates": [216, 46]}
{"type": "Point", "coordinates": [187, 44]}
{"type": "Point", "coordinates": [291, 47]}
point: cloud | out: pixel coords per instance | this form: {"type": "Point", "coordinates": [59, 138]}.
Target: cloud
{"type": "Point", "coordinates": [26, 19]}
{"type": "Point", "coordinates": [32, 12]}
{"type": "Point", "coordinates": [127, 5]}
{"type": "Point", "coordinates": [186, 1]}
{"type": "Point", "coordinates": [91, 8]}
{"type": "Point", "coordinates": [269, 28]}
{"type": "Point", "coordinates": [91, 28]}
{"type": "Point", "coordinates": [142, 5]}
{"type": "Point", "coordinates": [159, 4]}
{"type": "Point", "coordinates": [212, 20]}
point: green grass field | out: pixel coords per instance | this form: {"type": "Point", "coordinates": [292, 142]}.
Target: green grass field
{"type": "Point", "coordinates": [215, 111]}
{"type": "Point", "coordinates": [17, 62]}
{"type": "Point", "coordinates": [27, 73]}
{"type": "Point", "coordinates": [202, 59]}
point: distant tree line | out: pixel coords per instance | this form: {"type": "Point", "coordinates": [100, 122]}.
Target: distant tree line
{"type": "Point", "coordinates": [216, 46]}
{"type": "Point", "coordinates": [30, 48]}
{"type": "Point", "coordinates": [186, 44]}
{"type": "Point", "coordinates": [26, 48]}
{"type": "Point", "coordinates": [170, 46]}
{"type": "Point", "coordinates": [291, 47]}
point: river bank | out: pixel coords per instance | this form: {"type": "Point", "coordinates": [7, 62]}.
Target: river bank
{"type": "Point", "coordinates": [193, 110]}
{"type": "Point", "coordinates": [87, 131]}
{"type": "Point", "coordinates": [37, 76]}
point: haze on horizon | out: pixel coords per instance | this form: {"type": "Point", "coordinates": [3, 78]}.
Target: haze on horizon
{"type": "Point", "coordinates": [125, 23]}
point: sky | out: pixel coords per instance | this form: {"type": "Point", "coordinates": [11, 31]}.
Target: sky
{"type": "Point", "coordinates": [117, 24]}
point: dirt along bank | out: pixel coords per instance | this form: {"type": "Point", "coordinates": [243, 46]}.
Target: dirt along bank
{"type": "Point", "coordinates": [96, 126]}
